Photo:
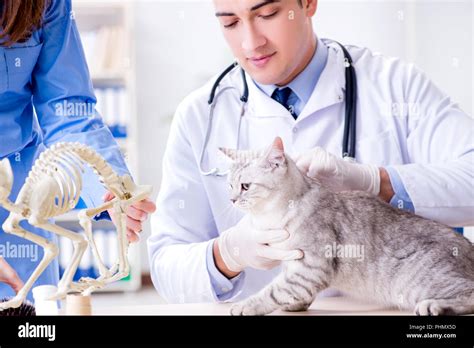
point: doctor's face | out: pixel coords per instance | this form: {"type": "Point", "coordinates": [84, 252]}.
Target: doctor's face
{"type": "Point", "coordinates": [273, 40]}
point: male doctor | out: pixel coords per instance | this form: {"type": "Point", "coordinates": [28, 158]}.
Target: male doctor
{"type": "Point", "coordinates": [414, 147]}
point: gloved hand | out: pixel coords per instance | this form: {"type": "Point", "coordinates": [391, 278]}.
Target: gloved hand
{"type": "Point", "coordinates": [338, 174]}
{"type": "Point", "coordinates": [244, 246]}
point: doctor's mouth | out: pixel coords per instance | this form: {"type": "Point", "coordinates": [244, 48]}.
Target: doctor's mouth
{"type": "Point", "coordinates": [261, 61]}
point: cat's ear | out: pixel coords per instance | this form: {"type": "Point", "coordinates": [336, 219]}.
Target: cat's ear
{"type": "Point", "coordinates": [275, 155]}
{"type": "Point", "coordinates": [230, 153]}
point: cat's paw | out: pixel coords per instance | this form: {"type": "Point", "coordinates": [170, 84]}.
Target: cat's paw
{"type": "Point", "coordinates": [428, 307]}
{"type": "Point", "coordinates": [246, 308]}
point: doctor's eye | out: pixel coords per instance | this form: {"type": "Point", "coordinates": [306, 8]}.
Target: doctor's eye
{"type": "Point", "coordinates": [245, 187]}
{"type": "Point", "coordinates": [270, 15]}
{"type": "Point", "coordinates": [231, 25]}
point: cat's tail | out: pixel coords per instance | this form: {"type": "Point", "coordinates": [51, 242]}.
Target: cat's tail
{"type": "Point", "coordinates": [460, 305]}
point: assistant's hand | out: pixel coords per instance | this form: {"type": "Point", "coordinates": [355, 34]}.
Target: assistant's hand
{"type": "Point", "coordinates": [244, 246]}
{"type": "Point", "coordinates": [337, 174]}
{"type": "Point", "coordinates": [9, 276]}
{"type": "Point", "coordinates": [137, 213]}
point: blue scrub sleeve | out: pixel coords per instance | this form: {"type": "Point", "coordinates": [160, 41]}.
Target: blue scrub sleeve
{"type": "Point", "coordinates": [63, 96]}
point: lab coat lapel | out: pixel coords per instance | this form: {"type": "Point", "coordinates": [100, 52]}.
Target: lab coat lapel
{"type": "Point", "coordinates": [331, 85]}
{"type": "Point", "coordinates": [328, 91]}
{"type": "Point", "coordinates": [261, 105]}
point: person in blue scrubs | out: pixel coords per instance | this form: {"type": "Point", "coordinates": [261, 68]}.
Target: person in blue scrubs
{"type": "Point", "coordinates": [46, 96]}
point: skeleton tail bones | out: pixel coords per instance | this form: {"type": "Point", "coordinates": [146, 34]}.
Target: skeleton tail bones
{"type": "Point", "coordinates": [52, 188]}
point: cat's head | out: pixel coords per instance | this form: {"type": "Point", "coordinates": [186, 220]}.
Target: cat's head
{"type": "Point", "coordinates": [256, 177]}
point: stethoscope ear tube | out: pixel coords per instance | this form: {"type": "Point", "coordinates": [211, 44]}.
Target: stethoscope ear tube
{"type": "Point", "coordinates": [352, 132]}
{"type": "Point", "coordinates": [218, 81]}
{"type": "Point", "coordinates": [348, 139]}
{"type": "Point", "coordinates": [245, 96]}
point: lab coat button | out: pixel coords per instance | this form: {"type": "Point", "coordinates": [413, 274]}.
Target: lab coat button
{"type": "Point", "coordinates": [295, 129]}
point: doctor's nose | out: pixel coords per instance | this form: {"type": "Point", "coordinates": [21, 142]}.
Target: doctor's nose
{"type": "Point", "coordinates": [252, 41]}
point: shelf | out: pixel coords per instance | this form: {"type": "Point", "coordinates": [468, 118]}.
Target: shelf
{"type": "Point", "coordinates": [113, 21]}
{"type": "Point", "coordinates": [109, 80]}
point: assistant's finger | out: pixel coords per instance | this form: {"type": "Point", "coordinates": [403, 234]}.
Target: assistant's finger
{"type": "Point", "coordinates": [134, 225]}
{"type": "Point", "coordinates": [16, 283]}
{"type": "Point", "coordinates": [132, 236]}
{"type": "Point", "coordinates": [108, 196]}
{"type": "Point", "coordinates": [146, 205]}
{"type": "Point", "coordinates": [9, 276]}
{"type": "Point", "coordinates": [137, 214]}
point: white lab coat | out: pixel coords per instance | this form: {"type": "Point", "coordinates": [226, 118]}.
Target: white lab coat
{"type": "Point", "coordinates": [403, 120]}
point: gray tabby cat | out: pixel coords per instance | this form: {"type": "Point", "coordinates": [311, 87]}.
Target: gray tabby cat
{"type": "Point", "coordinates": [404, 260]}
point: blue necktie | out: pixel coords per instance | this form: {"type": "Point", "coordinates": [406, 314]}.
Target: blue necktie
{"type": "Point", "coordinates": [282, 96]}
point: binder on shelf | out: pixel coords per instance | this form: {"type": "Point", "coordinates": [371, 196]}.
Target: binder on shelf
{"type": "Point", "coordinates": [112, 104]}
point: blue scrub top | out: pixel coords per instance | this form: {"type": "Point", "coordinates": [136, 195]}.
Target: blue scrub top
{"type": "Point", "coordinates": [46, 96]}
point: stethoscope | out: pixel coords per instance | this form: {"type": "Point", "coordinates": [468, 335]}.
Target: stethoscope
{"type": "Point", "coordinates": [349, 133]}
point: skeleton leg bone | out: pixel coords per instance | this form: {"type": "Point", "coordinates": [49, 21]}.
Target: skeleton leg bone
{"type": "Point", "coordinates": [120, 220]}
{"type": "Point", "coordinates": [80, 245]}
{"type": "Point", "coordinates": [85, 220]}
{"type": "Point", "coordinates": [123, 265]}
{"type": "Point", "coordinates": [12, 225]}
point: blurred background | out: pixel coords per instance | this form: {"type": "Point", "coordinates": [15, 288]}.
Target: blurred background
{"type": "Point", "coordinates": [145, 56]}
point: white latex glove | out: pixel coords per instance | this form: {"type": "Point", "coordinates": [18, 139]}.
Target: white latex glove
{"type": "Point", "coordinates": [337, 174]}
{"type": "Point", "coordinates": [244, 246]}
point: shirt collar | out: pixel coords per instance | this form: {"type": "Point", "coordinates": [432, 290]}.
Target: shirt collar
{"type": "Point", "coordinates": [305, 83]}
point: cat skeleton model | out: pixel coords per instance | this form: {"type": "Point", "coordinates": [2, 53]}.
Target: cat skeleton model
{"type": "Point", "coordinates": [53, 188]}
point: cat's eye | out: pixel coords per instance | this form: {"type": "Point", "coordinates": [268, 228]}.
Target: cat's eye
{"type": "Point", "coordinates": [245, 187]}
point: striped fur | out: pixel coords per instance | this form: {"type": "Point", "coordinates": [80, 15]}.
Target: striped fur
{"type": "Point", "coordinates": [408, 262]}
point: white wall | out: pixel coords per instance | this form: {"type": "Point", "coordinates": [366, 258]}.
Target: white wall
{"type": "Point", "coordinates": [179, 46]}
{"type": "Point", "coordinates": [436, 35]}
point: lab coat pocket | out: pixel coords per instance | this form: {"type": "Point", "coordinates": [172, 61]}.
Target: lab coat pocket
{"type": "Point", "coordinates": [20, 62]}
{"type": "Point", "coordinates": [381, 149]}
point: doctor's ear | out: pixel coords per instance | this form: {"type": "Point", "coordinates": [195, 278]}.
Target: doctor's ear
{"type": "Point", "coordinates": [310, 6]}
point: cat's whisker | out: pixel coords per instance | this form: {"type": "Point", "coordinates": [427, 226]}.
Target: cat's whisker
{"type": "Point", "coordinates": [229, 213]}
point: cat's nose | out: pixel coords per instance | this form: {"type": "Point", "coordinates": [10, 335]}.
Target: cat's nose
{"type": "Point", "coordinates": [233, 200]}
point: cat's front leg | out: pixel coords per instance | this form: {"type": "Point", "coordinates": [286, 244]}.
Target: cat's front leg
{"type": "Point", "coordinates": [287, 292]}
{"type": "Point", "coordinates": [255, 305]}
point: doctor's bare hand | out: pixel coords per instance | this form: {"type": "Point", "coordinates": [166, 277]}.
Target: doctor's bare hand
{"type": "Point", "coordinates": [9, 276]}
{"type": "Point", "coordinates": [245, 246]}
{"type": "Point", "coordinates": [137, 214]}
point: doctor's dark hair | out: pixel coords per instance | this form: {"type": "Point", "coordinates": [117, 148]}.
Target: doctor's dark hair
{"type": "Point", "coordinates": [19, 19]}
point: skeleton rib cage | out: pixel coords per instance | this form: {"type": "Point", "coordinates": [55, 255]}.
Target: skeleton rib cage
{"type": "Point", "coordinates": [64, 163]}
